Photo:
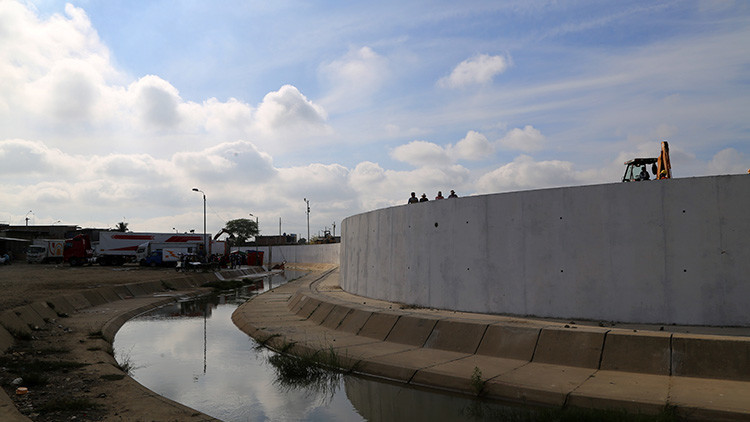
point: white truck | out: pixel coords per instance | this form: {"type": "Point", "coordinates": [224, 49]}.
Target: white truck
{"type": "Point", "coordinates": [45, 250]}
{"type": "Point", "coordinates": [116, 248]}
{"type": "Point", "coordinates": [154, 254]}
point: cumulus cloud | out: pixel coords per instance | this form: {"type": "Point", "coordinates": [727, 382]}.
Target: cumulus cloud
{"type": "Point", "coordinates": [288, 109]}
{"type": "Point", "coordinates": [526, 173]}
{"type": "Point", "coordinates": [528, 139]}
{"type": "Point", "coordinates": [474, 146]}
{"type": "Point", "coordinates": [354, 78]}
{"type": "Point", "coordinates": [377, 187]}
{"type": "Point", "coordinates": [156, 102]}
{"type": "Point", "coordinates": [729, 161]}
{"type": "Point", "coordinates": [421, 153]}
{"type": "Point", "coordinates": [476, 70]}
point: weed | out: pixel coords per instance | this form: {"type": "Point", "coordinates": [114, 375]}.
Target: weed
{"type": "Point", "coordinates": [477, 383]}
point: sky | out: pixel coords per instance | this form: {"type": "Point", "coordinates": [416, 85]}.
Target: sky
{"type": "Point", "coordinates": [115, 110]}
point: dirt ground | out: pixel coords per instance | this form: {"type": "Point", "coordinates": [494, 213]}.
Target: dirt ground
{"type": "Point", "coordinates": [66, 365]}
{"type": "Point", "coordinates": [22, 283]}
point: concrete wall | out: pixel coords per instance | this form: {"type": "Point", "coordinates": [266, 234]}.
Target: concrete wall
{"type": "Point", "coordinates": [307, 254]}
{"type": "Point", "coordinates": [674, 251]}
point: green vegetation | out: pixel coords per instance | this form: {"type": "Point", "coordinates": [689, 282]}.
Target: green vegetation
{"type": "Point", "coordinates": [477, 383]}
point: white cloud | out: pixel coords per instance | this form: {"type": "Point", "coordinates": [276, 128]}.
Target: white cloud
{"type": "Point", "coordinates": [354, 78]}
{"type": "Point", "coordinates": [421, 154]}
{"type": "Point", "coordinates": [729, 161]}
{"type": "Point", "coordinates": [156, 102]}
{"type": "Point", "coordinates": [526, 173]}
{"type": "Point", "coordinates": [288, 110]}
{"type": "Point", "coordinates": [474, 146]}
{"type": "Point", "coordinates": [476, 70]}
{"type": "Point", "coordinates": [528, 139]}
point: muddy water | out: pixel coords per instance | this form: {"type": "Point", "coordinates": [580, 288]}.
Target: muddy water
{"type": "Point", "coordinates": [192, 353]}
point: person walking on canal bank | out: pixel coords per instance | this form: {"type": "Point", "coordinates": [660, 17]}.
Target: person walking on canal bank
{"type": "Point", "coordinates": [413, 199]}
{"type": "Point", "coordinates": [440, 195]}
{"type": "Point", "coordinates": [423, 198]}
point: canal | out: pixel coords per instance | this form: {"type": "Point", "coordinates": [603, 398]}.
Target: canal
{"type": "Point", "coordinates": [191, 352]}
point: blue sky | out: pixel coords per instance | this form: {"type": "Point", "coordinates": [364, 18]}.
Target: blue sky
{"type": "Point", "coordinates": [113, 110]}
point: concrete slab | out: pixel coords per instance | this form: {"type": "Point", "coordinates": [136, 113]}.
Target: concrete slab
{"type": "Point", "coordinates": [135, 290]}
{"type": "Point", "coordinates": [354, 321]}
{"type": "Point", "coordinates": [456, 336]}
{"type": "Point", "coordinates": [309, 306]}
{"type": "Point", "coordinates": [616, 390]}
{"type": "Point", "coordinates": [177, 283]}
{"type": "Point", "coordinates": [8, 411]}
{"type": "Point", "coordinates": [43, 310]}
{"type": "Point", "coordinates": [379, 325]}
{"type": "Point", "coordinates": [29, 316]}
{"type": "Point", "coordinates": [646, 352]}
{"type": "Point", "coordinates": [457, 374]}
{"type": "Point", "coordinates": [403, 365]}
{"type": "Point", "coordinates": [78, 301]}
{"type": "Point", "coordinates": [711, 357]}
{"type": "Point", "coordinates": [108, 293]}
{"type": "Point", "coordinates": [336, 316]}
{"type": "Point", "coordinates": [377, 348]}
{"type": "Point", "coordinates": [14, 324]}
{"type": "Point", "coordinates": [412, 330]}
{"type": "Point", "coordinates": [321, 312]}
{"type": "Point", "coordinates": [538, 383]}
{"type": "Point", "coordinates": [509, 341]}
{"type": "Point", "coordinates": [61, 306]}
{"type": "Point", "coordinates": [151, 286]}
{"type": "Point", "coordinates": [710, 399]}
{"type": "Point", "coordinates": [122, 292]}
{"type": "Point", "coordinates": [94, 297]}
{"type": "Point", "coordinates": [581, 346]}
{"type": "Point", "coordinates": [294, 301]}
{"type": "Point", "coordinates": [6, 340]}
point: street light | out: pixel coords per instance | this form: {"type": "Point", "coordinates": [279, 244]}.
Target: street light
{"type": "Point", "coordinates": [257, 224]}
{"type": "Point", "coordinates": [308, 219]}
{"type": "Point", "coordinates": [205, 245]}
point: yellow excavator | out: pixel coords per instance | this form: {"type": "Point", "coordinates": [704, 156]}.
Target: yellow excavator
{"type": "Point", "coordinates": [636, 170]}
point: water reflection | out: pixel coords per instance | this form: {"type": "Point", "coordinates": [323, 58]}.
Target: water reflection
{"type": "Point", "coordinates": [192, 353]}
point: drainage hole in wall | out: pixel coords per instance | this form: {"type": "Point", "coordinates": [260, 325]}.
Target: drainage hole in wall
{"type": "Point", "coordinates": [436, 224]}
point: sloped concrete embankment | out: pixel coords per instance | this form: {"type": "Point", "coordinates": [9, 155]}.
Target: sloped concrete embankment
{"type": "Point", "coordinates": [706, 377]}
{"type": "Point", "coordinates": [104, 310]}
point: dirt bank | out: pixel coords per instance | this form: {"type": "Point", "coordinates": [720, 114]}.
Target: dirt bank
{"type": "Point", "coordinates": [66, 361]}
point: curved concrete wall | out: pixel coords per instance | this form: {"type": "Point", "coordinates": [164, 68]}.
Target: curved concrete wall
{"type": "Point", "coordinates": [306, 254]}
{"type": "Point", "coordinates": [674, 251]}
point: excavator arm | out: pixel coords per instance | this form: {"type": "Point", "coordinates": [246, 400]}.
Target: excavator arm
{"type": "Point", "coordinates": [663, 166]}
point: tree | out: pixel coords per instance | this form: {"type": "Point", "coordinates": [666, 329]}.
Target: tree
{"type": "Point", "coordinates": [241, 229]}
{"type": "Point", "coordinates": [122, 227]}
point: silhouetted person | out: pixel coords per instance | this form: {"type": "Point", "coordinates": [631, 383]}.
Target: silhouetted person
{"type": "Point", "coordinates": [439, 195]}
{"type": "Point", "coordinates": [413, 199]}
{"type": "Point", "coordinates": [453, 194]}
{"type": "Point", "coordinates": [423, 198]}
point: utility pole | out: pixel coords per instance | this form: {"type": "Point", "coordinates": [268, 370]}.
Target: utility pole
{"type": "Point", "coordinates": [308, 219]}
{"type": "Point", "coordinates": [334, 229]}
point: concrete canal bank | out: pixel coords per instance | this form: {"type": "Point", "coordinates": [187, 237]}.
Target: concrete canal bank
{"type": "Point", "coordinates": [66, 340]}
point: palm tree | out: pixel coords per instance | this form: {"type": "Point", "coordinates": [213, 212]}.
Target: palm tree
{"type": "Point", "coordinates": [122, 226]}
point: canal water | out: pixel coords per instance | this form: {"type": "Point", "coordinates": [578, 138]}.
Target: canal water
{"type": "Point", "coordinates": [192, 353]}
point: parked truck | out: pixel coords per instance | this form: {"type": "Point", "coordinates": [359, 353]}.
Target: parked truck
{"type": "Point", "coordinates": [154, 254]}
{"type": "Point", "coordinates": [116, 248]}
{"type": "Point", "coordinates": [45, 250]}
